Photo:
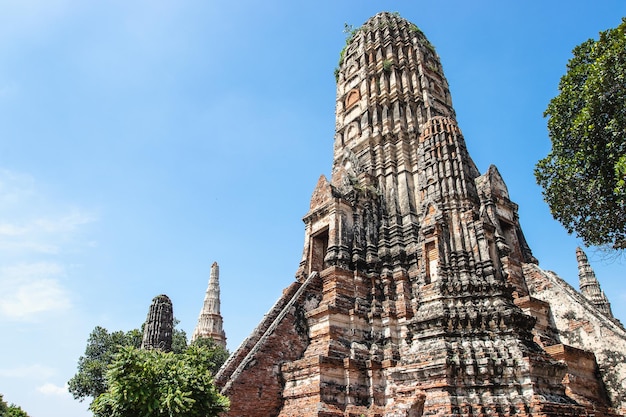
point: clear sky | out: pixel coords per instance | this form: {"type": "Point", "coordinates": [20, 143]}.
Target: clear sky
{"type": "Point", "coordinates": [140, 141]}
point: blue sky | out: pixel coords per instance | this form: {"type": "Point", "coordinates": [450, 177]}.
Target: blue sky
{"type": "Point", "coordinates": [142, 140]}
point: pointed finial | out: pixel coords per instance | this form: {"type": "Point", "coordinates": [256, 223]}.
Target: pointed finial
{"type": "Point", "coordinates": [589, 284]}
{"type": "Point", "coordinates": [210, 322]}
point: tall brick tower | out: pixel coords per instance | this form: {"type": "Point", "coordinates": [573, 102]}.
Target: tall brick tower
{"type": "Point", "coordinates": [404, 303]}
{"type": "Point", "coordinates": [210, 321]}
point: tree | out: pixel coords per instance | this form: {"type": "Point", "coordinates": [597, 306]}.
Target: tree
{"type": "Point", "coordinates": [179, 338]}
{"type": "Point", "coordinates": [584, 175]}
{"type": "Point", "coordinates": [15, 411]}
{"type": "Point", "coordinates": [216, 355]}
{"type": "Point", "coordinates": [90, 379]}
{"type": "Point", "coordinates": [10, 410]}
{"type": "Point", "coordinates": [152, 383]}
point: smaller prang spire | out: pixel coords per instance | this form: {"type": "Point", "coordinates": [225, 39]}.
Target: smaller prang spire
{"type": "Point", "coordinates": [589, 285]}
{"type": "Point", "coordinates": [157, 331]}
{"type": "Point", "coordinates": [210, 322]}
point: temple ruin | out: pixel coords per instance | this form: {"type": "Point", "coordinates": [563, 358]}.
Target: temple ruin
{"type": "Point", "coordinates": [210, 321]}
{"type": "Point", "coordinates": [417, 293]}
{"type": "Point", "coordinates": [159, 325]}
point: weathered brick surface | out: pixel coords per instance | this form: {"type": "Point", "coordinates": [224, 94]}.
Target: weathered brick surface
{"type": "Point", "coordinates": [423, 306]}
{"type": "Point", "coordinates": [252, 375]}
{"type": "Point", "coordinates": [584, 327]}
{"type": "Point", "coordinates": [236, 358]}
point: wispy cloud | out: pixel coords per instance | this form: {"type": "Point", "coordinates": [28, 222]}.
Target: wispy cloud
{"type": "Point", "coordinates": [36, 232]}
{"type": "Point", "coordinates": [35, 371]}
{"type": "Point", "coordinates": [42, 234]}
{"type": "Point", "coordinates": [14, 187]}
{"type": "Point", "coordinates": [52, 389]}
{"type": "Point", "coordinates": [31, 221]}
{"type": "Point", "coordinates": [32, 289]}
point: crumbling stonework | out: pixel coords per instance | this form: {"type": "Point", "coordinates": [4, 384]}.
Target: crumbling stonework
{"type": "Point", "coordinates": [157, 332]}
{"type": "Point", "coordinates": [413, 294]}
{"type": "Point", "coordinates": [581, 325]}
{"type": "Point", "coordinates": [252, 374]}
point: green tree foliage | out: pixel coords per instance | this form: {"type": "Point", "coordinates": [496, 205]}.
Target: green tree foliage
{"type": "Point", "coordinates": [152, 383]}
{"type": "Point", "coordinates": [90, 379]}
{"type": "Point", "coordinates": [584, 175]}
{"type": "Point", "coordinates": [179, 338]}
{"type": "Point", "coordinates": [3, 406]}
{"type": "Point", "coordinates": [16, 411]}
{"type": "Point", "coordinates": [216, 355]}
{"type": "Point", "coordinates": [10, 410]}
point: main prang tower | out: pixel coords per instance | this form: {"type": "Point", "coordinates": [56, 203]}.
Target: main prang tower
{"type": "Point", "coordinates": [419, 265]}
{"type": "Point", "coordinates": [404, 303]}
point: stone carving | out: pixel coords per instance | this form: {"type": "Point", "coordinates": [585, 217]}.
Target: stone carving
{"type": "Point", "coordinates": [157, 332]}
{"type": "Point", "coordinates": [420, 273]}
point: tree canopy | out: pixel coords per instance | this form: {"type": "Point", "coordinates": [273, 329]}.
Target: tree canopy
{"type": "Point", "coordinates": [215, 355]}
{"type": "Point", "coordinates": [153, 383]}
{"type": "Point", "coordinates": [584, 175]}
{"type": "Point", "coordinates": [90, 379]}
{"type": "Point", "coordinates": [12, 410]}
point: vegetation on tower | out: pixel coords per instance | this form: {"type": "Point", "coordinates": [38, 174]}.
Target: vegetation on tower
{"type": "Point", "coordinates": [351, 33]}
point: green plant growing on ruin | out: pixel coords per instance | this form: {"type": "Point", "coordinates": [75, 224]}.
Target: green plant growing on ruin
{"type": "Point", "coordinates": [350, 32]}
{"type": "Point", "coordinates": [413, 28]}
{"type": "Point", "coordinates": [429, 46]}
{"type": "Point", "coordinates": [387, 65]}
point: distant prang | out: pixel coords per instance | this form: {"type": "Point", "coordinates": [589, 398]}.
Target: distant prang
{"type": "Point", "coordinates": [417, 293]}
{"type": "Point", "coordinates": [210, 322]}
{"type": "Point", "coordinates": [159, 325]}
{"type": "Point", "coordinates": [157, 332]}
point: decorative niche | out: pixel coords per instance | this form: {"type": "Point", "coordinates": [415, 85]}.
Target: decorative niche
{"type": "Point", "coordinates": [352, 98]}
